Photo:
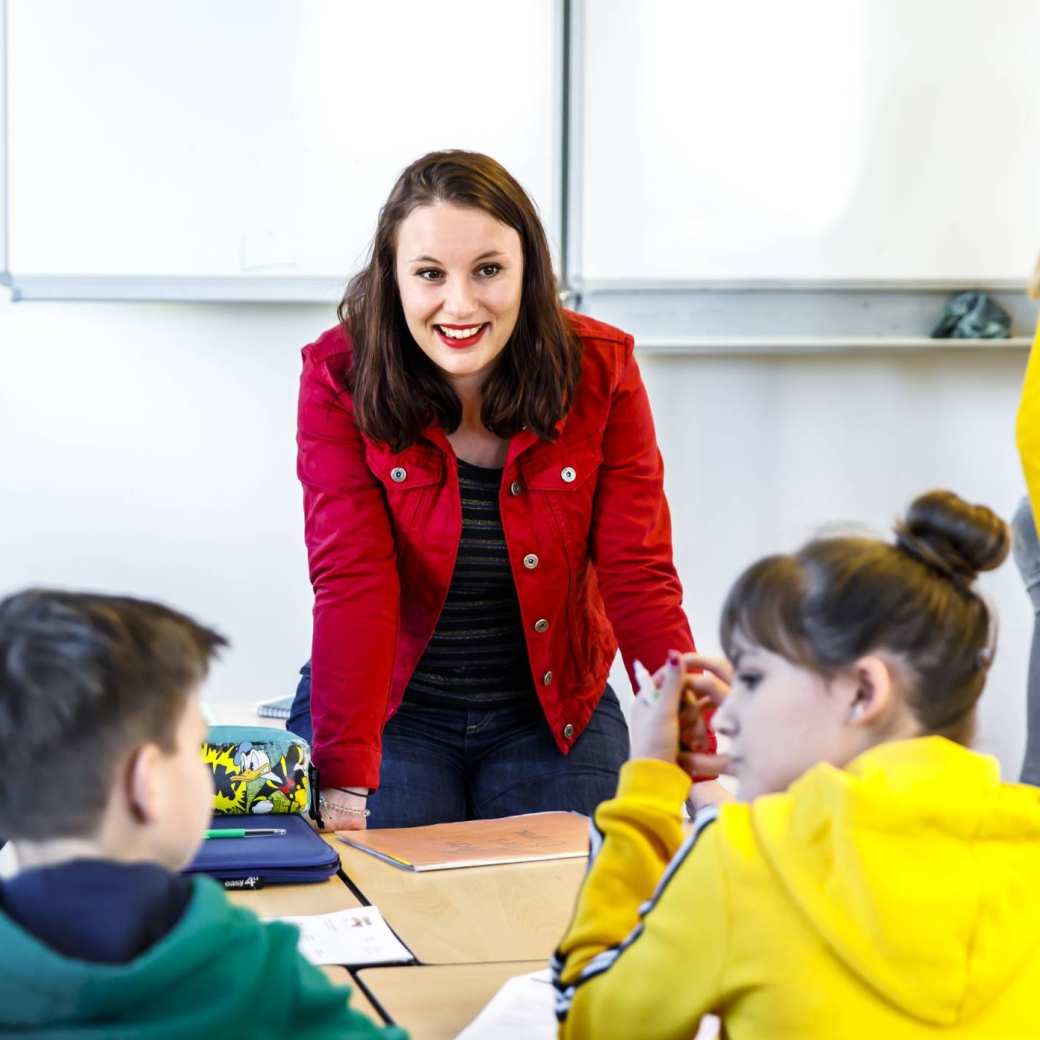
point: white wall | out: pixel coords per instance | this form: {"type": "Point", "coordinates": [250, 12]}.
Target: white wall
{"type": "Point", "coordinates": [762, 453]}
{"type": "Point", "coordinates": [148, 448]}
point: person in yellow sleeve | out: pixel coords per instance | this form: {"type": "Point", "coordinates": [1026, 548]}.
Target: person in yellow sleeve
{"type": "Point", "coordinates": [1027, 426]}
{"type": "Point", "coordinates": [876, 879]}
{"type": "Point", "coordinates": [1025, 543]}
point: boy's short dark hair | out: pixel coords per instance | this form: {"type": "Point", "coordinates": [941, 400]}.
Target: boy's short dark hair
{"type": "Point", "coordinates": [84, 677]}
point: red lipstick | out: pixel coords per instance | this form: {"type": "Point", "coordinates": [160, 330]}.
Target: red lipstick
{"type": "Point", "coordinates": [454, 342]}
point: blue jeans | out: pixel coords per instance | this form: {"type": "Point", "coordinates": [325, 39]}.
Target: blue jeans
{"type": "Point", "coordinates": [445, 764]}
{"type": "Point", "coordinates": [1026, 550]}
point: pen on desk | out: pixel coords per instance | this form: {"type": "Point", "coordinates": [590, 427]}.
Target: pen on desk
{"type": "Point", "coordinates": [245, 832]}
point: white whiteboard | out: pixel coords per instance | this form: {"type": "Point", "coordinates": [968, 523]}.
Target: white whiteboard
{"type": "Point", "coordinates": [252, 138]}
{"type": "Point", "coordinates": [809, 139]}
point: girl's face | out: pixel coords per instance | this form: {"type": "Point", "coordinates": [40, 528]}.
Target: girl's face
{"type": "Point", "coordinates": [460, 275]}
{"type": "Point", "coordinates": [782, 719]}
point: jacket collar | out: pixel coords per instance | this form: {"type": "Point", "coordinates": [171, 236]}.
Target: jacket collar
{"type": "Point", "coordinates": [518, 444]}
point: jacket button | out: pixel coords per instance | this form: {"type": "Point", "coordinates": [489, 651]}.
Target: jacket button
{"type": "Point", "coordinates": [398, 473]}
{"type": "Point", "coordinates": [514, 488]}
{"type": "Point", "coordinates": [568, 474]}
{"type": "Point", "coordinates": [541, 625]}
{"type": "Point", "coordinates": [547, 679]}
{"type": "Point", "coordinates": [568, 731]}
{"type": "Point", "coordinates": [530, 561]}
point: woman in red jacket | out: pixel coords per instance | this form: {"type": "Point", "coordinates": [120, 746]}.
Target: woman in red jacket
{"type": "Point", "coordinates": [484, 516]}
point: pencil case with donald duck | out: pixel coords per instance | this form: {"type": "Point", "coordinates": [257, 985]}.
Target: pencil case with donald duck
{"type": "Point", "coordinates": [258, 770]}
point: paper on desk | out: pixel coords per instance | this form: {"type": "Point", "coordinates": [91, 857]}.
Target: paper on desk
{"type": "Point", "coordinates": [351, 937]}
{"type": "Point", "coordinates": [524, 1009]}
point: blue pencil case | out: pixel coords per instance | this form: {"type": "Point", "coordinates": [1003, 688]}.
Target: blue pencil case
{"type": "Point", "coordinates": [299, 856]}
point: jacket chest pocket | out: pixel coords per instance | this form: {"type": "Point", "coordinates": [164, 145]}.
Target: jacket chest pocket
{"type": "Point", "coordinates": [408, 478]}
{"type": "Point", "coordinates": [564, 478]}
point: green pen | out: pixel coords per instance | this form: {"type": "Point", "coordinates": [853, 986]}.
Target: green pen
{"type": "Point", "coordinates": [245, 832]}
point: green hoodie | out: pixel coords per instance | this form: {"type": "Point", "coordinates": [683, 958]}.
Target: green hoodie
{"type": "Point", "coordinates": [219, 972]}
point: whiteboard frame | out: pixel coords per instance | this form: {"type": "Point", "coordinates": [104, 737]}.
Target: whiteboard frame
{"type": "Point", "coordinates": [568, 160]}
{"type": "Point", "coordinates": [574, 95]}
{"type": "Point", "coordinates": [572, 76]}
{"type": "Point", "coordinates": [811, 346]}
{"type": "Point", "coordinates": [5, 278]}
{"type": "Point", "coordinates": [836, 285]}
{"type": "Point", "coordinates": [252, 288]}
{"type": "Point", "coordinates": [247, 288]}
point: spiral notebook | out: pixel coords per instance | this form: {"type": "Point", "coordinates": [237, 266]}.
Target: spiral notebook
{"type": "Point", "coordinates": [276, 709]}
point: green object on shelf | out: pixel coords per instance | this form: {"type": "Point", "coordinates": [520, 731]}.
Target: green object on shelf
{"type": "Point", "coordinates": [973, 315]}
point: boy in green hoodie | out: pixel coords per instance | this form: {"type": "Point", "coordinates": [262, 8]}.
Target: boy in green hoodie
{"type": "Point", "coordinates": [105, 796]}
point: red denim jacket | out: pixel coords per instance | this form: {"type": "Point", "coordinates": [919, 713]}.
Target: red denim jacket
{"type": "Point", "coordinates": [585, 522]}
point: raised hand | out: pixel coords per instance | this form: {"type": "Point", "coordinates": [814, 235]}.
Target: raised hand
{"type": "Point", "coordinates": [655, 724]}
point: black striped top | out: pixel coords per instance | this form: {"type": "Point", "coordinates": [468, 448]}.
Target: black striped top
{"type": "Point", "coordinates": [477, 653]}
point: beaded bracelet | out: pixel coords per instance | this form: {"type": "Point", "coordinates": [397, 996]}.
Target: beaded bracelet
{"type": "Point", "coordinates": [350, 810]}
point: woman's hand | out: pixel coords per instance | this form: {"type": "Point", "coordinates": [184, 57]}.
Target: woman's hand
{"type": "Point", "coordinates": [667, 716]}
{"type": "Point", "coordinates": [708, 686]}
{"type": "Point", "coordinates": [343, 809]}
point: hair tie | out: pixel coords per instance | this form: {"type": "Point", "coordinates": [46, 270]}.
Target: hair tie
{"type": "Point", "coordinates": [924, 553]}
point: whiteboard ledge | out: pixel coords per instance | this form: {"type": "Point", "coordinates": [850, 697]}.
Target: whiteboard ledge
{"type": "Point", "coordinates": [622, 285]}
{"type": "Point", "coordinates": [792, 346]}
{"type": "Point", "coordinates": [189, 288]}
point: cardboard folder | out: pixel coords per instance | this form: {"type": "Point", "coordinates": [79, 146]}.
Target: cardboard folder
{"type": "Point", "coordinates": [477, 843]}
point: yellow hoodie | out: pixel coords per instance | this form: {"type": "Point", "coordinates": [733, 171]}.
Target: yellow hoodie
{"type": "Point", "coordinates": [897, 898]}
{"type": "Point", "coordinates": [1027, 428]}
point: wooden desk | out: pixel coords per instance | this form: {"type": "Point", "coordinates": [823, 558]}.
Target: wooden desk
{"type": "Point", "coordinates": [358, 1000]}
{"type": "Point", "coordinates": [437, 1002]}
{"type": "Point", "coordinates": [514, 912]}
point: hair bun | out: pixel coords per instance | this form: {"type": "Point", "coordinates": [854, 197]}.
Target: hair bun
{"type": "Point", "coordinates": [952, 536]}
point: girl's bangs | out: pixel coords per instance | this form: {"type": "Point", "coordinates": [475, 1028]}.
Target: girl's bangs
{"type": "Point", "coordinates": [764, 609]}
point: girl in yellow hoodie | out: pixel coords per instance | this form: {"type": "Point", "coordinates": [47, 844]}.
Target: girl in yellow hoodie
{"type": "Point", "coordinates": [876, 879]}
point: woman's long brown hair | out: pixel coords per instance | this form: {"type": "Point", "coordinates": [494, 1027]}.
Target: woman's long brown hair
{"type": "Point", "coordinates": [397, 391]}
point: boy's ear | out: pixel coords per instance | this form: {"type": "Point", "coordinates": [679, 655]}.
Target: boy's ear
{"type": "Point", "coordinates": [873, 690]}
{"type": "Point", "coordinates": [143, 780]}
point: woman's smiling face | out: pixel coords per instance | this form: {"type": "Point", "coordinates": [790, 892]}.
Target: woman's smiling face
{"type": "Point", "coordinates": [460, 277]}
